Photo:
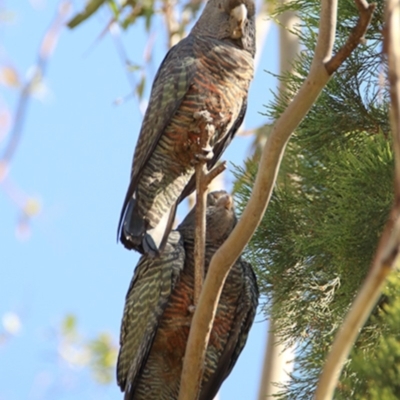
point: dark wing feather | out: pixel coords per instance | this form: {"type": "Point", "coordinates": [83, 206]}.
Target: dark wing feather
{"type": "Point", "coordinates": [147, 297]}
{"type": "Point", "coordinates": [244, 317]}
{"type": "Point", "coordinates": [218, 149]}
{"type": "Point", "coordinates": [170, 86]}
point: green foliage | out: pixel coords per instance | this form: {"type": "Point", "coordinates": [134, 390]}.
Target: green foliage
{"type": "Point", "coordinates": [68, 325]}
{"type": "Point", "coordinates": [126, 13]}
{"type": "Point", "coordinates": [98, 354]}
{"type": "Point", "coordinates": [381, 363]}
{"type": "Point", "coordinates": [91, 7]}
{"type": "Point", "coordinates": [102, 362]}
{"type": "Point", "coordinates": [333, 196]}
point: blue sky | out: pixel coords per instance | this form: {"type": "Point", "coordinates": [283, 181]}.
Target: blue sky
{"type": "Point", "coordinates": [74, 158]}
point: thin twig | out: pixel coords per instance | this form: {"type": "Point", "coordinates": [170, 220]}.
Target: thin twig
{"type": "Point", "coordinates": [356, 37]}
{"type": "Point", "coordinates": [270, 161]}
{"type": "Point", "coordinates": [115, 32]}
{"type": "Point", "coordinates": [203, 180]}
{"type": "Point", "coordinates": [387, 255]}
{"type": "Point", "coordinates": [45, 50]}
{"type": "Point", "coordinates": [214, 172]}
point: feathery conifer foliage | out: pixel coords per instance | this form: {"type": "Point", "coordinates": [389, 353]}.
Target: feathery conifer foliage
{"type": "Point", "coordinates": [317, 239]}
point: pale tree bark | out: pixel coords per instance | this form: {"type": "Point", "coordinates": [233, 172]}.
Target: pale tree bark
{"type": "Point", "coordinates": [387, 256]}
{"type": "Point", "coordinates": [278, 359]}
{"type": "Point", "coordinates": [289, 45]}
{"type": "Point", "coordinates": [174, 34]}
{"type": "Point", "coordinates": [203, 179]}
{"type": "Point", "coordinates": [278, 364]}
{"type": "Point", "coordinates": [322, 67]}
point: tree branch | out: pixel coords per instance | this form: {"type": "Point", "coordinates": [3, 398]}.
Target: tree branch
{"type": "Point", "coordinates": [387, 256]}
{"type": "Point", "coordinates": [268, 169]}
{"type": "Point", "coordinates": [203, 179]}
{"type": "Point", "coordinates": [393, 53]}
{"type": "Point", "coordinates": [204, 125]}
{"type": "Point", "coordinates": [28, 206]}
{"type": "Point", "coordinates": [200, 234]}
{"type": "Point", "coordinates": [46, 48]}
{"type": "Point", "coordinates": [172, 24]}
{"type": "Point", "coordinates": [356, 37]}
{"type": "Point", "coordinates": [201, 198]}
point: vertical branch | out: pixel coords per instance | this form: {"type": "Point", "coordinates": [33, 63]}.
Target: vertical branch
{"type": "Point", "coordinates": [200, 234]}
{"type": "Point", "coordinates": [171, 23]}
{"type": "Point", "coordinates": [201, 198]}
{"type": "Point", "coordinates": [289, 43]}
{"type": "Point", "coordinates": [392, 41]}
{"type": "Point", "coordinates": [387, 256]}
{"type": "Point", "coordinates": [203, 179]}
{"type": "Point", "coordinates": [277, 365]}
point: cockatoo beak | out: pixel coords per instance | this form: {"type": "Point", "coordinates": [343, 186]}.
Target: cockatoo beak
{"type": "Point", "coordinates": [238, 17]}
